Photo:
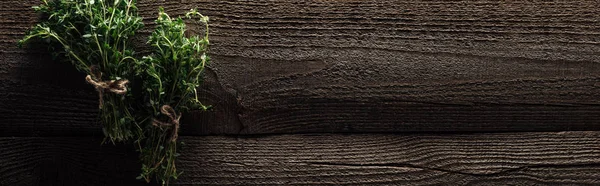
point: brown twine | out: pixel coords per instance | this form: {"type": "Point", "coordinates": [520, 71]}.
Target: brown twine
{"type": "Point", "coordinates": [174, 121]}
{"type": "Point", "coordinates": [115, 86]}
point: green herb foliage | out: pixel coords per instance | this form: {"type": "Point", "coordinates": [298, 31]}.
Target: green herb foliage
{"type": "Point", "coordinates": [171, 75]}
{"type": "Point", "coordinates": [94, 35]}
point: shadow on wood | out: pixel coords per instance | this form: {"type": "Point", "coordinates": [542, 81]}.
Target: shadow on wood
{"type": "Point", "coordinates": [66, 161]}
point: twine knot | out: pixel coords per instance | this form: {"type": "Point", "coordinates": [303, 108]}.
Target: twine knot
{"type": "Point", "coordinates": [115, 86]}
{"type": "Point", "coordinates": [174, 121]}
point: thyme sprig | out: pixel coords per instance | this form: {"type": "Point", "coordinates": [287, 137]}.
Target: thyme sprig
{"type": "Point", "coordinates": [171, 74]}
{"type": "Point", "coordinates": [94, 36]}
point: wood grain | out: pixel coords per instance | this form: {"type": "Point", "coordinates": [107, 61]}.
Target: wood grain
{"type": "Point", "coordinates": [349, 66]}
{"type": "Point", "coordinates": [562, 158]}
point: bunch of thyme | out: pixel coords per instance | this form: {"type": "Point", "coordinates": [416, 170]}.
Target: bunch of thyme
{"type": "Point", "coordinates": [94, 35]}
{"type": "Point", "coordinates": [171, 75]}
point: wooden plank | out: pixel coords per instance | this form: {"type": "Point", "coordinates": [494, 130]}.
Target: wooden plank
{"type": "Point", "coordinates": [454, 159]}
{"type": "Point", "coordinates": [558, 158]}
{"type": "Point", "coordinates": [349, 66]}
{"type": "Point", "coordinates": [66, 161]}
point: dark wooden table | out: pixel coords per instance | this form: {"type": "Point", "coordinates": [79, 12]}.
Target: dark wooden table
{"type": "Point", "coordinates": [337, 92]}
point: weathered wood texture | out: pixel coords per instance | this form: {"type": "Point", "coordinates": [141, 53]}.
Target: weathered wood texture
{"type": "Point", "coordinates": [564, 158]}
{"type": "Point", "coordinates": [290, 66]}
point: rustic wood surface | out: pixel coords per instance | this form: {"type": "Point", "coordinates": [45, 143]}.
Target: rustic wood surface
{"type": "Point", "coordinates": [348, 66]}
{"type": "Point", "coordinates": [287, 75]}
{"type": "Point", "coordinates": [29, 161]}
{"type": "Point", "coordinates": [562, 158]}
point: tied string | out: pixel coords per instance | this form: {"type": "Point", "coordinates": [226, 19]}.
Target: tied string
{"type": "Point", "coordinates": [115, 86]}
{"type": "Point", "coordinates": [174, 121]}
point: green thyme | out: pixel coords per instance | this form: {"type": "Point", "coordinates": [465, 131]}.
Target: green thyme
{"type": "Point", "coordinates": [94, 36]}
{"type": "Point", "coordinates": [171, 74]}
